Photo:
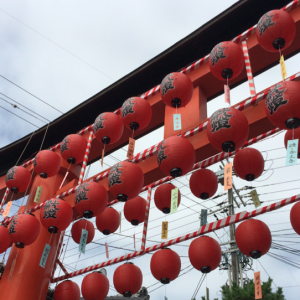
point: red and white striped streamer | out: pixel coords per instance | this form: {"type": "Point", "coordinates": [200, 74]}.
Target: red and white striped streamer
{"type": "Point", "coordinates": [201, 231]}
{"type": "Point", "coordinates": [86, 157]}
{"type": "Point", "coordinates": [3, 200]}
{"type": "Point", "coordinates": [62, 266]}
{"type": "Point", "coordinates": [146, 219]}
{"type": "Point", "coordinates": [248, 69]}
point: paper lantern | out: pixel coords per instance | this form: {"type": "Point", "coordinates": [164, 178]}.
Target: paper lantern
{"type": "Point", "coordinates": [162, 197]}
{"type": "Point", "coordinates": [136, 113]}
{"type": "Point", "coordinates": [203, 183]}
{"type": "Point", "coordinates": [128, 279]}
{"type": "Point", "coordinates": [90, 199]}
{"type": "Point", "coordinates": [227, 129]}
{"type": "Point", "coordinates": [226, 61]}
{"type": "Point", "coordinates": [275, 30]}
{"type": "Point", "coordinates": [248, 164]}
{"type": "Point", "coordinates": [77, 230]}
{"type": "Point", "coordinates": [253, 238]}
{"type": "Point", "coordinates": [67, 290]}
{"type": "Point", "coordinates": [4, 239]}
{"type": "Point", "coordinates": [294, 217]}
{"type": "Point", "coordinates": [56, 215]}
{"type": "Point", "coordinates": [165, 265]}
{"type": "Point", "coordinates": [18, 179]}
{"type": "Point", "coordinates": [282, 105]}
{"type": "Point", "coordinates": [95, 286]}
{"type": "Point", "coordinates": [205, 254]}
{"type": "Point", "coordinates": [109, 221]}
{"type": "Point", "coordinates": [126, 180]}
{"type": "Point", "coordinates": [46, 163]}
{"type": "Point", "coordinates": [24, 229]}
{"type": "Point", "coordinates": [289, 136]}
{"type": "Point", "coordinates": [176, 89]}
{"type": "Point", "coordinates": [134, 210]}
{"type": "Point", "coordinates": [72, 148]}
{"type": "Point", "coordinates": [108, 128]}
{"type": "Point", "coordinates": [176, 156]}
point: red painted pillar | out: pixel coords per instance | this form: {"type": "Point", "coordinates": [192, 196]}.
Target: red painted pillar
{"type": "Point", "coordinates": [29, 280]}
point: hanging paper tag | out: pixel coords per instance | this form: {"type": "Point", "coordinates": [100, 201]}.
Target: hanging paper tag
{"type": "Point", "coordinates": [258, 293]}
{"type": "Point", "coordinates": [203, 217]}
{"type": "Point", "coordinates": [228, 177]}
{"type": "Point", "coordinates": [38, 195]}
{"type": "Point", "coordinates": [83, 240]}
{"type": "Point", "coordinates": [134, 241]}
{"type": "Point", "coordinates": [227, 93]}
{"type": "Point", "coordinates": [292, 152]}
{"type": "Point", "coordinates": [177, 121]}
{"type": "Point", "coordinates": [174, 200]}
{"type": "Point", "coordinates": [102, 158]}
{"type": "Point", "coordinates": [255, 198]}
{"type": "Point", "coordinates": [45, 255]}
{"type": "Point", "coordinates": [106, 250]}
{"type": "Point", "coordinates": [120, 220]}
{"type": "Point", "coordinates": [164, 230]}
{"type": "Point", "coordinates": [131, 145]}
{"type": "Point", "coordinates": [282, 67]}
{"type": "Point", "coordinates": [166, 298]}
{"type": "Point", "coordinates": [12, 269]}
{"type": "Point", "coordinates": [7, 209]}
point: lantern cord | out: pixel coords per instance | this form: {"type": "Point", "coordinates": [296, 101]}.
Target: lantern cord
{"type": "Point", "coordinates": [279, 52]}
{"type": "Point", "coordinates": [165, 291]}
{"type": "Point", "coordinates": [132, 133]}
{"type": "Point", "coordinates": [293, 132]}
{"type": "Point", "coordinates": [50, 239]}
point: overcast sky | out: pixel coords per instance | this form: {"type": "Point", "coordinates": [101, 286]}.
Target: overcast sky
{"type": "Point", "coordinates": [66, 51]}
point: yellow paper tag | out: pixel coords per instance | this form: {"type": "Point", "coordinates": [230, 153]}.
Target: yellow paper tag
{"type": "Point", "coordinates": [7, 209]}
{"type": "Point", "coordinates": [164, 230]}
{"type": "Point", "coordinates": [282, 67]}
{"type": "Point", "coordinates": [131, 145]}
{"type": "Point", "coordinates": [38, 194]}
{"type": "Point", "coordinates": [228, 177]}
{"type": "Point", "coordinates": [174, 200]}
{"type": "Point", "coordinates": [102, 158]}
{"type": "Point", "coordinates": [258, 293]}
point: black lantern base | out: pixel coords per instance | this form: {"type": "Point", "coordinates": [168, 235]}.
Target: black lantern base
{"type": "Point", "coordinates": [165, 280]}
{"type": "Point", "coordinates": [43, 175]}
{"type": "Point", "coordinates": [278, 43]}
{"type": "Point", "coordinates": [166, 210]}
{"type": "Point", "coordinates": [134, 125]}
{"type": "Point", "coordinates": [176, 102]}
{"type": "Point", "coordinates": [88, 214]}
{"type": "Point", "coordinates": [175, 172]}
{"type": "Point", "coordinates": [205, 269]}
{"type": "Point", "coordinates": [127, 294]}
{"type": "Point", "coordinates": [20, 245]}
{"type": "Point", "coordinates": [14, 190]}
{"type": "Point", "coordinates": [227, 73]}
{"type": "Point", "coordinates": [204, 196]}
{"type": "Point", "coordinates": [122, 197]}
{"type": "Point", "coordinates": [249, 177]}
{"type": "Point", "coordinates": [228, 146]}
{"type": "Point", "coordinates": [53, 229]}
{"type": "Point", "coordinates": [105, 140]}
{"type": "Point", "coordinates": [106, 232]}
{"type": "Point", "coordinates": [292, 123]}
{"type": "Point", "coordinates": [135, 222]}
{"type": "Point", "coordinates": [255, 254]}
{"type": "Point", "coordinates": [71, 160]}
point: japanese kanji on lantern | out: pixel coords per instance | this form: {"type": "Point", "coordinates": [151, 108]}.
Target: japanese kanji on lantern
{"type": "Point", "coordinates": [108, 221]}
{"type": "Point", "coordinates": [95, 286]}
{"type": "Point", "coordinates": [134, 210]}
{"type": "Point", "coordinates": [46, 163]}
{"type": "Point", "coordinates": [67, 290]}
{"type": "Point", "coordinates": [18, 179]}
{"type": "Point", "coordinates": [72, 148]}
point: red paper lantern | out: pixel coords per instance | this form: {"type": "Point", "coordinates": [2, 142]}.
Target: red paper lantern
{"type": "Point", "coordinates": [108, 128]}
{"type": "Point", "coordinates": [203, 183]}
{"type": "Point", "coordinates": [176, 156]}
{"type": "Point", "coordinates": [77, 230]}
{"type": "Point", "coordinates": [4, 239]}
{"type": "Point", "coordinates": [24, 229]}
{"type": "Point", "coordinates": [136, 113]}
{"type": "Point", "coordinates": [109, 221]}
{"type": "Point", "coordinates": [226, 61]}
{"type": "Point", "coordinates": [294, 217]}
{"type": "Point", "coordinates": [205, 254]}
{"type": "Point", "coordinates": [248, 164]}
{"type": "Point", "coordinates": [18, 179]}
{"type": "Point", "coordinates": [94, 286]}
{"type": "Point", "coordinates": [253, 238]}
{"type": "Point", "coordinates": [46, 163]}
{"type": "Point", "coordinates": [162, 197]}
{"type": "Point", "coordinates": [56, 215]}
{"type": "Point", "coordinates": [67, 290]}
{"type": "Point", "coordinates": [290, 136]}
{"type": "Point", "coordinates": [72, 148]}
{"type": "Point", "coordinates": [227, 129]}
{"type": "Point", "coordinates": [165, 265]}
{"type": "Point", "coordinates": [176, 89]}
{"type": "Point", "coordinates": [128, 279]}
{"type": "Point", "coordinates": [275, 30]}
{"type": "Point", "coordinates": [282, 105]}
{"type": "Point", "coordinates": [125, 180]}
{"type": "Point", "coordinates": [90, 199]}
{"type": "Point", "coordinates": [134, 210]}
